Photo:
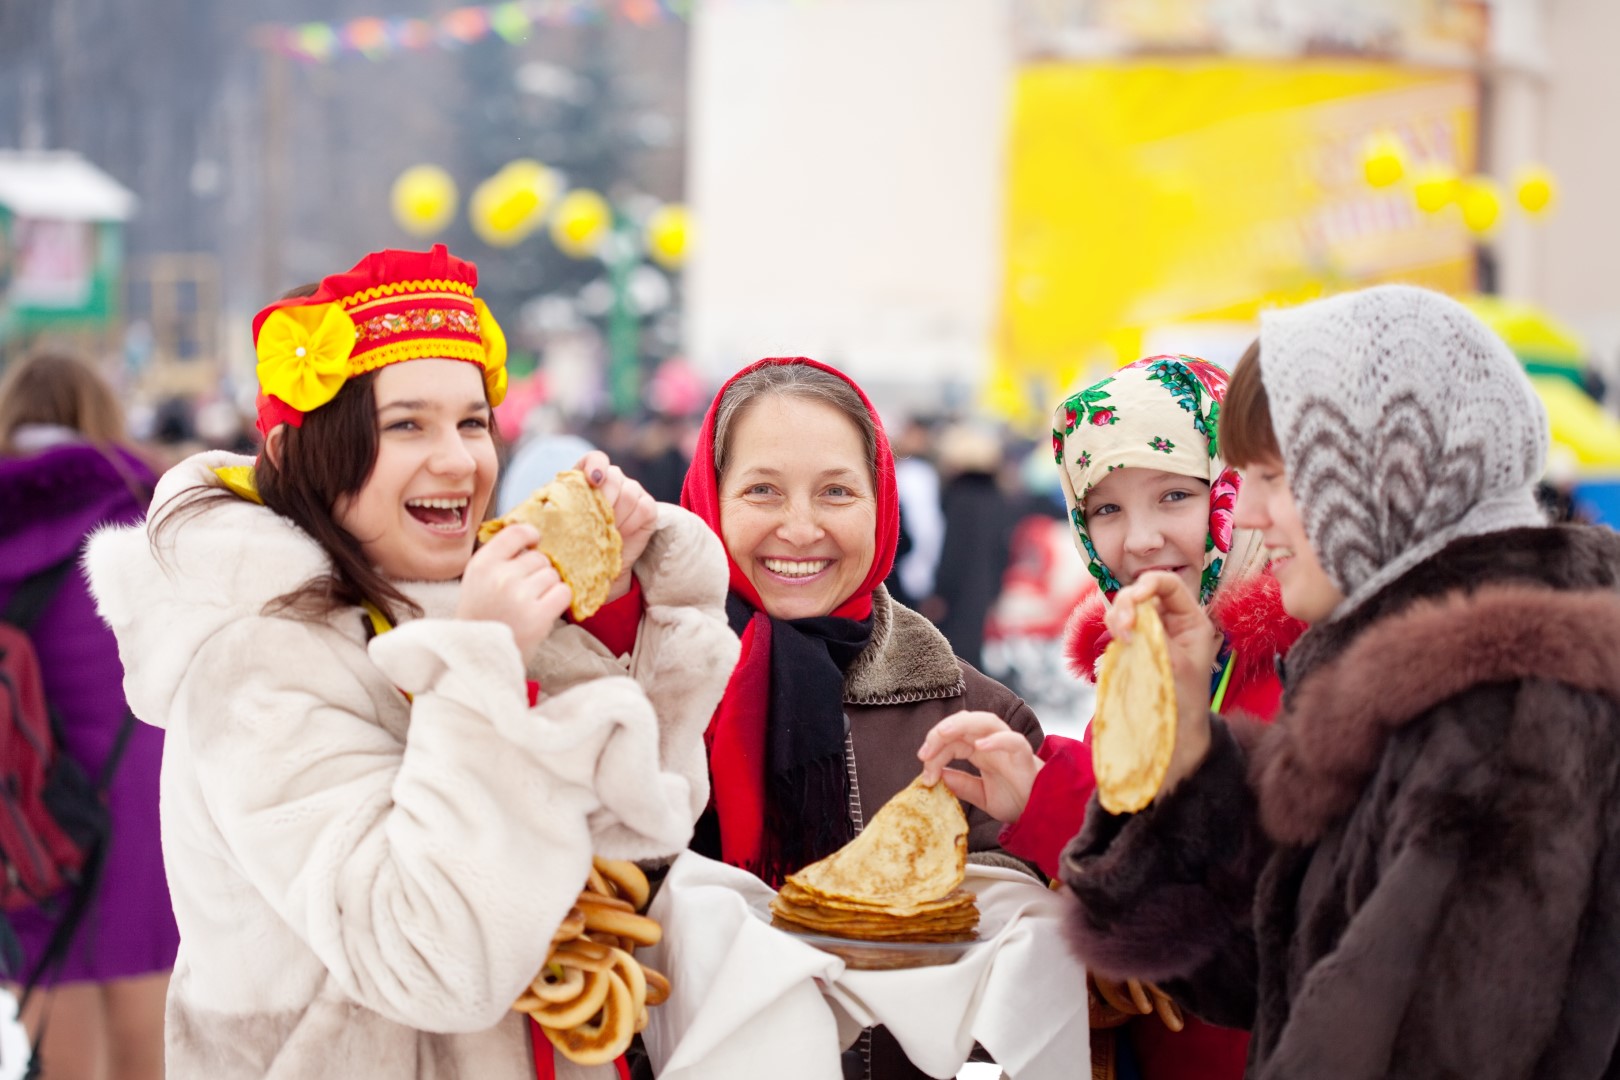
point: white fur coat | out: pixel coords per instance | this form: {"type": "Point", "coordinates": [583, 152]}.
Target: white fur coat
{"type": "Point", "coordinates": [365, 882]}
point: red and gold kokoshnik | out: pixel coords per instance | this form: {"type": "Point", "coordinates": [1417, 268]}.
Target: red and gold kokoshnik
{"type": "Point", "coordinates": [393, 306]}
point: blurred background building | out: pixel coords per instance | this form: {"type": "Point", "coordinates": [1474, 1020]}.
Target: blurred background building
{"type": "Point", "coordinates": [968, 204]}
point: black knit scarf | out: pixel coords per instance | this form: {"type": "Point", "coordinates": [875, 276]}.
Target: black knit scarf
{"type": "Point", "coordinates": [807, 780]}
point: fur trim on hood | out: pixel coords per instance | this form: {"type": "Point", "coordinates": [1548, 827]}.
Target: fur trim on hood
{"type": "Point", "coordinates": [1249, 610]}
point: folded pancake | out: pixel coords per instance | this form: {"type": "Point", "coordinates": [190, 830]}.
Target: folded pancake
{"type": "Point", "coordinates": [1133, 732]}
{"type": "Point", "coordinates": [577, 534]}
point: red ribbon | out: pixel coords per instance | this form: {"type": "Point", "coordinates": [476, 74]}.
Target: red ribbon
{"type": "Point", "coordinates": [545, 1056]}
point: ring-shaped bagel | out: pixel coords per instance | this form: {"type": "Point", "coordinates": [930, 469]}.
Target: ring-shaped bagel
{"type": "Point", "coordinates": [571, 927]}
{"type": "Point", "coordinates": [584, 953]}
{"type": "Point", "coordinates": [557, 983]}
{"type": "Point", "coordinates": [637, 929]}
{"type": "Point", "coordinates": [657, 985]}
{"type": "Point", "coordinates": [567, 1014]}
{"type": "Point", "coordinates": [600, 1042]}
{"type": "Point", "coordinates": [626, 877]}
{"type": "Point", "coordinates": [625, 966]}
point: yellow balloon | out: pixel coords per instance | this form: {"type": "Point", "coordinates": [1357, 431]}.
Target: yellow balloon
{"type": "Point", "coordinates": [580, 222]}
{"type": "Point", "coordinates": [508, 207]}
{"type": "Point", "coordinates": [423, 200]}
{"type": "Point", "coordinates": [669, 233]}
{"type": "Point", "coordinates": [1481, 205]}
{"type": "Point", "coordinates": [1383, 161]}
{"type": "Point", "coordinates": [1434, 189]}
{"type": "Point", "coordinates": [1536, 189]}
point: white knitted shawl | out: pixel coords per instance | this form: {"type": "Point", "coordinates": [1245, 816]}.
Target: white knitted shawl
{"type": "Point", "coordinates": [1404, 423]}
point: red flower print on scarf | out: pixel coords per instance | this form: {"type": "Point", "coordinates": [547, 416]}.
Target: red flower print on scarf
{"type": "Point", "coordinates": [1102, 417]}
{"type": "Point", "coordinates": [1213, 378]}
{"type": "Point", "coordinates": [1222, 501]}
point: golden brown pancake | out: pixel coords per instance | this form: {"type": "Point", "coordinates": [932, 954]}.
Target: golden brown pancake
{"type": "Point", "coordinates": [1133, 732]}
{"type": "Point", "coordinates": [577, 534]}
{"type": "Point", "coordinates": [898, 880]}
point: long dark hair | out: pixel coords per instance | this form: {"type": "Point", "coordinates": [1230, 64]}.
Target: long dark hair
{"type": "Point", "coordinates": [331, 456]}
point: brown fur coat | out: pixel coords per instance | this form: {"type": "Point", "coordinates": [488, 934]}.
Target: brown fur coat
{"type": "Point", "coordinates": [1415, 872]}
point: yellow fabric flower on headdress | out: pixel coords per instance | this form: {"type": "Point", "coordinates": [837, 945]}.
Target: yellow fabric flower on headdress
{"type": "Point", "coordinates": [304, 353]}
{"type": "Point", "coordinates": [494, 339]}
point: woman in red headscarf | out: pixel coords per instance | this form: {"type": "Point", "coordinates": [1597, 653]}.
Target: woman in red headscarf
{"type": "Point", "coordinates": [838, 684]}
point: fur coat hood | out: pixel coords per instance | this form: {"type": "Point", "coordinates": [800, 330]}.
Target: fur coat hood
{"type": "Point", "coordinates": [369, 843]}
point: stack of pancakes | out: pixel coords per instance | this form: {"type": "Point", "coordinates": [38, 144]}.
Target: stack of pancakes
{"type": "Point", "coordinates": [899, 880]}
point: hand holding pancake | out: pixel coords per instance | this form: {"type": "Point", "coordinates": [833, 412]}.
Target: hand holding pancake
{"type": "Point", "coordinates": [507, 581]}
{"type": "Point", "coordinates": [1191, 643]}
{"type": "Point", "coordinates": [573, 528]}
{"type": "Point", "coordinates": [1006, 764]}
{"type": "Point", "coordinates": [635, 512]}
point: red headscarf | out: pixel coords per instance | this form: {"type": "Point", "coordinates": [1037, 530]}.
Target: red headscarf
{"type": "Point", "coordinates": [737, 733]}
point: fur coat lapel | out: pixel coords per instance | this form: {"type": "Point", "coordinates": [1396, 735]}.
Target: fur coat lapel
{"type": "Point", "coordinates": [907, 660]}
{"type": "Point", "coordinates": [1494, 609]}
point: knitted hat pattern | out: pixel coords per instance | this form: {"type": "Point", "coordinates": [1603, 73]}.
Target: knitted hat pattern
{"type": "Point", "coordinates": [1404, 424]}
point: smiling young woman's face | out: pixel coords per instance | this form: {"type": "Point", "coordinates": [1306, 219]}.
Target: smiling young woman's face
{"type": "Point", "coordinates": [1148, 519]}
{"type": "Point", "coordinates": [1266, 504]}
{"type": "Point", "coordinates": [798, 512]}
{"type": "Point", "coordinates": [417, 514]}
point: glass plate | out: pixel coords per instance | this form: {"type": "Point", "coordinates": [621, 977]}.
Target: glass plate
{"type": "Point", "coordinates": [872, 955]}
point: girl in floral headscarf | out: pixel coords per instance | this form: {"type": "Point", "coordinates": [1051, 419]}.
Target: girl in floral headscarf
{"type": "Point", "coordinates": [1139, 458]}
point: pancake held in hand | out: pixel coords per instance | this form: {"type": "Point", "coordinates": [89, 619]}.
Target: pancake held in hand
{"type": "Point", "coordinates": [898, 880]}
{"type": "Point", "coordinates": [576, 533]}
{"type": "Point", "coordinates": [1134, 731]}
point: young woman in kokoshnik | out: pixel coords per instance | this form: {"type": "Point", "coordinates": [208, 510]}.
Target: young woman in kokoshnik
{"type": "Point", "coordinates": [1148, 491]}
{"type": "Point", "coordinates": [372, 826]}
{"type": "Point", "coordinates": [1415, 870]}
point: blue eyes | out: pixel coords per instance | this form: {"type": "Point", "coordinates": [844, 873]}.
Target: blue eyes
{"type": "Point", "coordinates": [837, 491]}
{"type": "Point", "coordinates": [474, 423]}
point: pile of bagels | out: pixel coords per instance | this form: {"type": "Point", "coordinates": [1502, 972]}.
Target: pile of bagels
{"type": "Point", "coordinates": [592, 994]}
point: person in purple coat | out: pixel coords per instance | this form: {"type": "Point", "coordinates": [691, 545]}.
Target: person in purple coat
{"type": "Point", "coordinates": [63, 474]}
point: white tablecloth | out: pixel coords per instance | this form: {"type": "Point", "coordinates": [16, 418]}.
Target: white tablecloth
{"type": "Point", "coordinates": [750, 1000]}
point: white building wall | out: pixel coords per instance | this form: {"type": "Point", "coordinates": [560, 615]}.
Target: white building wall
{"type": "Point", "coordinates": [846, 174]}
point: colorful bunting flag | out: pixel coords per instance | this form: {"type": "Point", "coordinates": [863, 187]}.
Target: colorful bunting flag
{"type": "Point", "coordinates": [513, 21]}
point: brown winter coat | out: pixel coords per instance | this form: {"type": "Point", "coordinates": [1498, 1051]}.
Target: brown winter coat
{"type": "Point", "coordinates": [903, 683]}
{"type": "Point", "coordinates": [906, 681]}
{"type": "Point", "coordinates": [1415, 872]}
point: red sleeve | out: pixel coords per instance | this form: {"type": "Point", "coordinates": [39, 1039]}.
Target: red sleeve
{"type": "Point", "coordinates": [1057, 804]}
{"type": "Point", "coordinates": [1260, 698]}
{"type": "Point", "coordinates": [615, 624]}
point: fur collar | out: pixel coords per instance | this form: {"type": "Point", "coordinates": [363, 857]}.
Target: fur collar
{"type": "Point", "coordinates": [907, 660]}
{"type": "Point", "coordinates": [1526, 603]}
{"type": "Point", "coordinates": [165, 595]}
{"type": "Point", "coordinates": [1249, 611]}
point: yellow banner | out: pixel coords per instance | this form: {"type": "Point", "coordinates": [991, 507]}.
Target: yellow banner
{"type": "Point", "coordinates": [1149, 193]}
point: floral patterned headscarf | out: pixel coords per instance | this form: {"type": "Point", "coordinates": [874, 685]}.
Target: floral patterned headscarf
{"type": "Point", "coordinates": [1158, 413]}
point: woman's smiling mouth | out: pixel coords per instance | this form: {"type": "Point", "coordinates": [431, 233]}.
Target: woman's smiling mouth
{"type": "Point", "coordinates": [446, 515]}
{"type": "Point", "coordinates": [795, 568]}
